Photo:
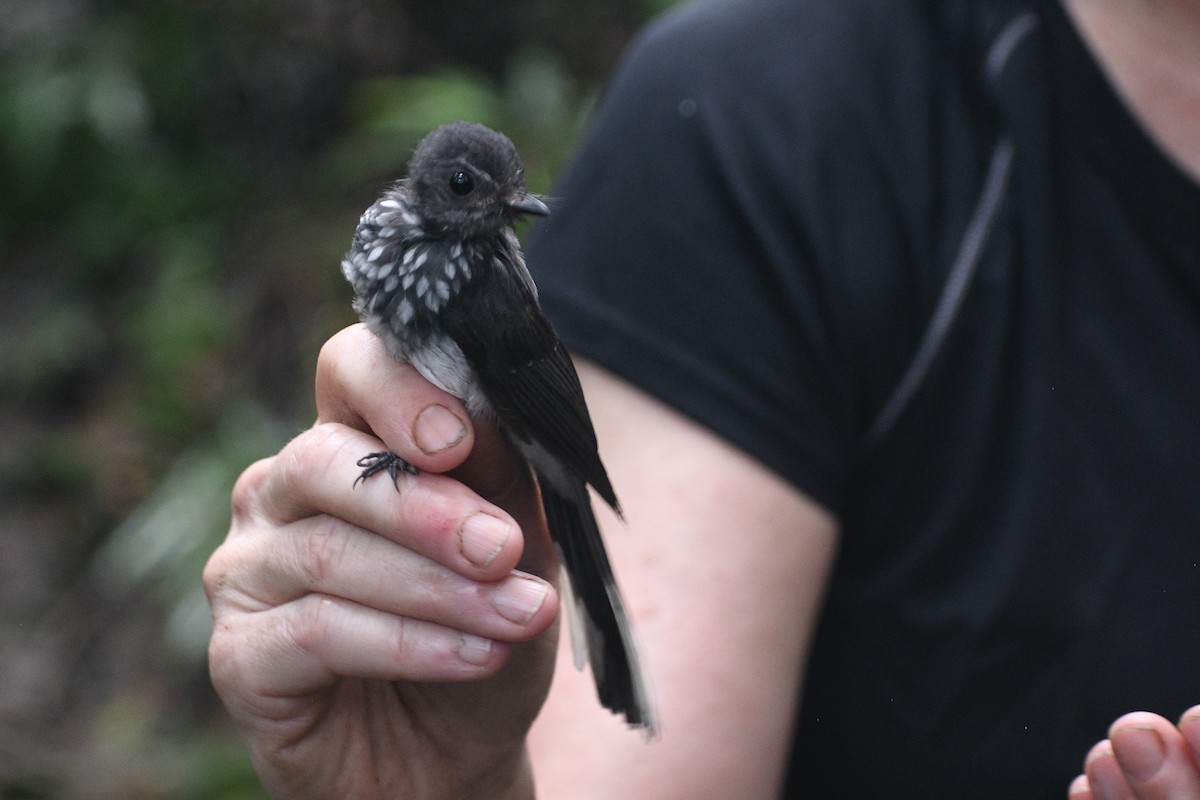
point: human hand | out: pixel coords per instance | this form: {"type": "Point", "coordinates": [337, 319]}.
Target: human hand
{"type": "Point", "coordinates": [1145, 757]}
{"type": "Point", "coordinates": [371, 642]}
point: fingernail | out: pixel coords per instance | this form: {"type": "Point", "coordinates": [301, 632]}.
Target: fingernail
{"type": "Point", "coordinates": [1100, 750]}
{"type": "Point", "coordinates": [1139, 751]}
{"type": "Point", "coordinates": [1189, 726]}
{"type": "Point", "coordinates": [437, 428]}
{"type": "Point", "coordinates": [481, 537]}
{"type": "Point", "coordinates": [475, 649]}
{"type": "Point", "coordinates": [518, 599]}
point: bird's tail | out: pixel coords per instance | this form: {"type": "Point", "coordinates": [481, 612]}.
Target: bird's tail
{"type": "Point", "coordinates": [594, 599]}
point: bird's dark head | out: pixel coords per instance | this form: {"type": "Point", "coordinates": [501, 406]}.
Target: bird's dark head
{"type": "Point", "coordinates": [467, 179]}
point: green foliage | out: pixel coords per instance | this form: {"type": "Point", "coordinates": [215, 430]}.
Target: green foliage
{"type": "Point", "coordinates": [536, 102]}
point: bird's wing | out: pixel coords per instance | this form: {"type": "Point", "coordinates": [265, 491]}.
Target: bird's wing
{"type": "Point", "coordinates": [526, 373]}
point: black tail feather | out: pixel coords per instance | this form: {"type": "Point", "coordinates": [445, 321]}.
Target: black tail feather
{"type": "Point", "coordinates": [611, 650]}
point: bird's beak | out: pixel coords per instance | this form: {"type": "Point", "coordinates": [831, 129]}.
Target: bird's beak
{"type": "Point", "coordinates": [525, 203]}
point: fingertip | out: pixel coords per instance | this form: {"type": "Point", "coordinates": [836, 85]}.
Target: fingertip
{"type": "Point", "coordinates": [438, 428]}
{"type": "Point", "coordinates": [1139, 748]}
{"type": "Point", "coordinates": [1190, 717]}
{"type": "Point", "coordinates": [482, 537]}
{"type": "Point", "coordinates": [1155, 757]}
{"type": "Point", "coordinates": [520, 599]}
{"type": "Point", "coordinates": [1079, 789]}
{"type": "Point", "coordinates": [478, 651]}
{"type": "Point", "coordinates": [1103, 773]}
{"type": "Point", "coordinates": [1189, 728]}
{"type": "Point", "coordinates": [1101, 749]}
{"type": "Point", "coordinates": [1139, 720]}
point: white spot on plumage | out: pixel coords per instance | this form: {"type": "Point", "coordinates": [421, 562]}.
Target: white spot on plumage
{"type": "Point", "coordinates": [389, 203]}
{"type": "Point", "coordinates": [410, 218]}
{"type": "Point", "coordinates": [390, 284]}
{"type": "Point", "coordinates": [408, 280]}
{"type": "Point", "coordinates": [451, 269]}
{"type": "Point", "coordinates": [388, 232]}
{"type": "Point", "coordinates": [376, 252]}
{"type": "Point", "coordinates": [422, 286]}
{"type": "Point", "coordinates": [443, 290]}
{"type": "Point", "coordinates": [406, 311]}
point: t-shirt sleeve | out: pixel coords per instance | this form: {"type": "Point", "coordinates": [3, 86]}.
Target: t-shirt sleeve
{"type": "Point", "coordinates": [695, 241]}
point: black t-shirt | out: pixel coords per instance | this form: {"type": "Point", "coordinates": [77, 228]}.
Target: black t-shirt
{"type": "Point", "coordinates": [917, 258]}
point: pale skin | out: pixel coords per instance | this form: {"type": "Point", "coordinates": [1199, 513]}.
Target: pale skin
{"type": "Point", "coordinates": [339, 610]}
{"type": "Point", "coordinates": [1148, 49]}
{"type": "Point", "coordinates": [371, 642]}
{"type": "Point", "coordinates": [363, 634]}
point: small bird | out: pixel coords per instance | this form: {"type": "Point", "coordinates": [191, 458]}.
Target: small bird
{"type": "Point", "coordinates": [439, 276]}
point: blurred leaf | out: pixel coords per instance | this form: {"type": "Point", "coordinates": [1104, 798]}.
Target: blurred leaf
{"type": "Point", "coordinates": [390, 114]}
{"type": "Point", "coordinates": [219, 768]}
{"type": "Point", "coordinates": [179, 524]}
{"type": "Point", "coordinates": [538, 91]}
{"type": "Point", "coordinates": [178, 327]}
{"type": "Point", "coordinates": [57, 335]}
{"type": "Point", "coordinates": [413, 105]}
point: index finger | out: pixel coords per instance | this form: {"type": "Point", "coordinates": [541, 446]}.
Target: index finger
{"type": "Point", "coordinates": [433, 515]}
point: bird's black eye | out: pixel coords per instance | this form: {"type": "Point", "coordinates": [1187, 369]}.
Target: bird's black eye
{"type": "Point", "coordinates": [461, 183]}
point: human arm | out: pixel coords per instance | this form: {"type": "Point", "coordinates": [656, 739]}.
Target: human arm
{"type": "Point", "coordinates": [324, 595]}
{"type": "Point", "coordinates": [722, 566]}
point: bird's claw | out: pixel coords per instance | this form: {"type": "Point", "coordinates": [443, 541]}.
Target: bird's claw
{"type": "Point", "coordinates": [381, 461]}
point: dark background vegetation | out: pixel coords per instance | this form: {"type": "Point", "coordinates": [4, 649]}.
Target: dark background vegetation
{"type": "Point", "coordinates": [178, 181]}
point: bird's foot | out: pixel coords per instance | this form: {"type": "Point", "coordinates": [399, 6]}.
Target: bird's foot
{"type": "Point", "coordinates": [381, 461]}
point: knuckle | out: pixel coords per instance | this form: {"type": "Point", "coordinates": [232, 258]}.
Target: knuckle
{"type": "Point", "coordinates": [401, 642]}
{"type": "Point", "coordinates": [292, 463]}
{"type": "Point", "coordinates": [308, 628]}
{"type": "Point", "coordinates": [306, 457]}
{"type": "Point", "coordinates": [224, 579]}
{"type": "Point", "coordinates": [222, 659]}
{"type": "Point", "coordinates": [323, 551]}
{"type": "Point", "coordinates": [249, 485]}
{"type": "Point", "coordinates": [215, 575]}
{"type": "Point", "coordinates": [235, 660]}
{"type": "Point", "coordinates": [329, 357]}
